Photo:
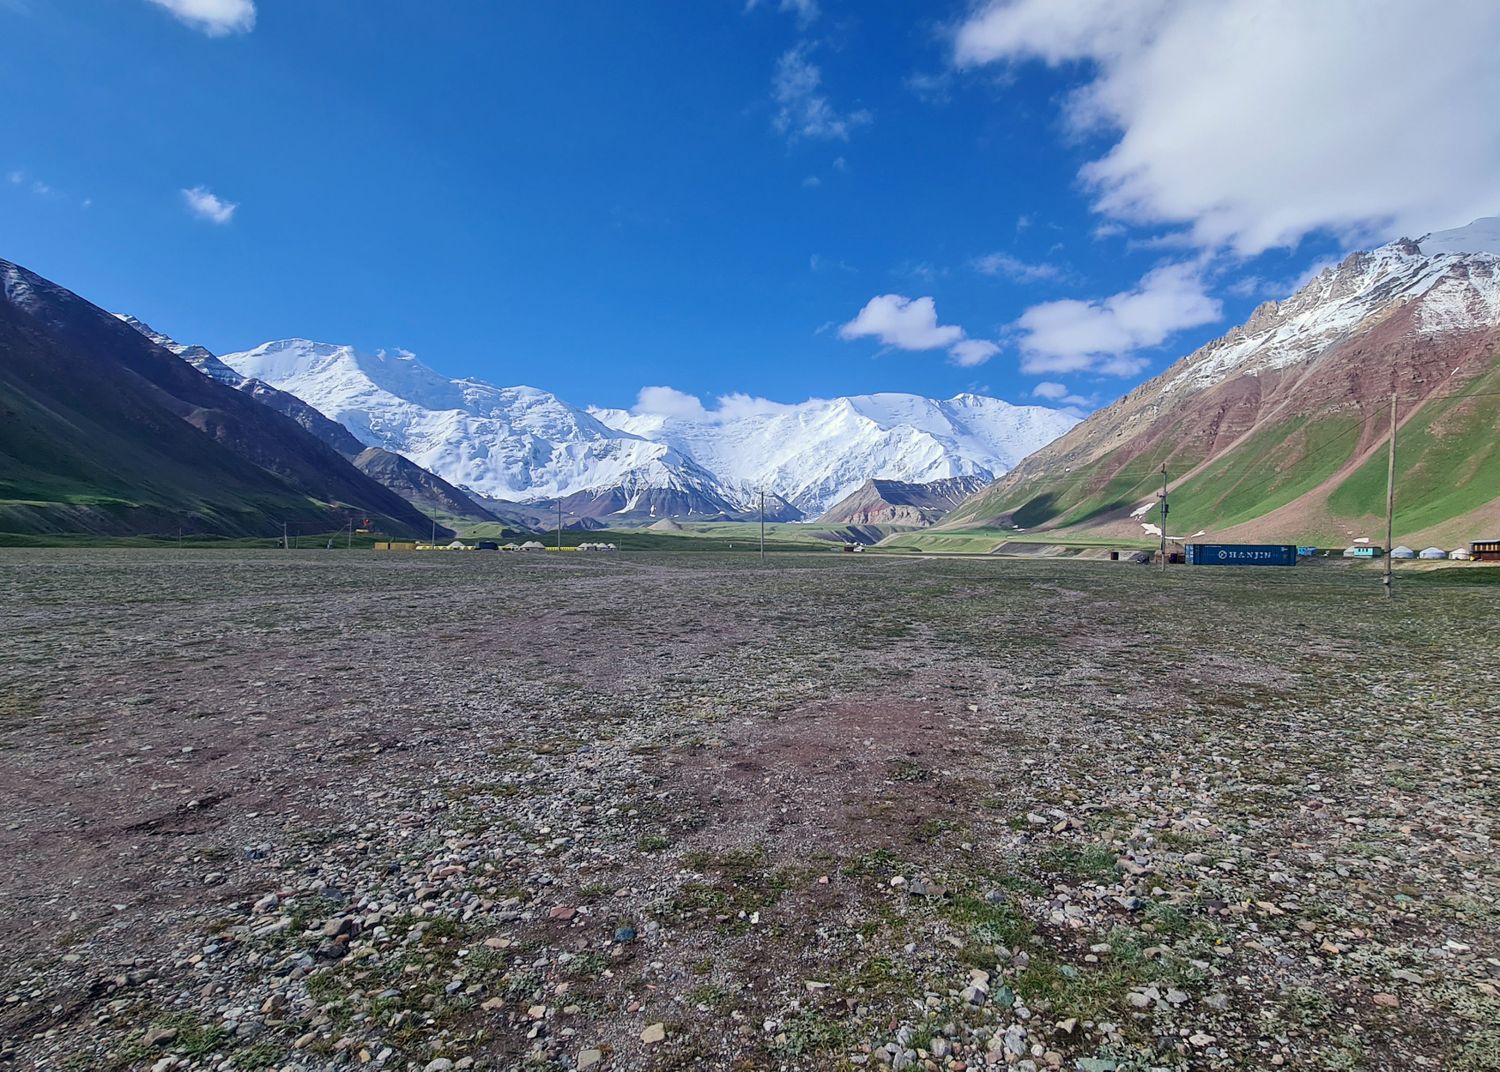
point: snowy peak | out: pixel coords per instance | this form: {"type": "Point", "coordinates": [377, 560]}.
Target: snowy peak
{"type": "Point", "coordinates": [1481, 236]}
{"type": "Point", "coordinates": [817, 452]}
{"type": "Point", "coordinates": [1449, 289]}
{"type": "Point", "coordinates": [514, 443]}
{"type": "Point", "coordinates": [524, 444]}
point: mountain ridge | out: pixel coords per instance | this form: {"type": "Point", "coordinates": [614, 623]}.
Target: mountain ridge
{"type": "Point", "coordinates": [521, 444]}
{"type": "Point", "coordinates": [1272, 430]}
{"type": "Point", "coordinates": [105, 431]}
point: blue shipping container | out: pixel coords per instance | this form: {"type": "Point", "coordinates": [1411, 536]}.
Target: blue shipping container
{"type": "Point", "coordinates": [1241, 554]}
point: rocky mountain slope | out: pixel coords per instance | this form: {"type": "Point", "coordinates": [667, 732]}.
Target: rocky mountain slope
{"type": "Point", "coordinates": [1277, 430]}
{"type": "Point", "coordinates": [897, 502]}
{"type": "Point", "coordinates": [102, 430]}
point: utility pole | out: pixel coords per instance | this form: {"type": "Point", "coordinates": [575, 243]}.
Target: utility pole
{"type": "Point", "coordinates": [1390, 498]}
{"type": "Point", "coordinates": [1164, 517]}
{"type": "Point", "coordinates": [349, 543]}
{"type": "Point", "coordinates": [286, 544]}
{"type": "Point", "coordinates": [559, 524]}
{"type": "Point", "coordinates": [762, 526]}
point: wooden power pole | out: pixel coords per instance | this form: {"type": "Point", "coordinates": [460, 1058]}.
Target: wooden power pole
{"type": "Point", "coordinates": [762, 526]}
{"type": "Point", "coordinates": [1390, 498]}
{"type": "Point", "coordinates": [1164, 518]}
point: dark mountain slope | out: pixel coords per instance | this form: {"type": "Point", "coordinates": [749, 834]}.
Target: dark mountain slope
{"type": "Point", "coordinates": [898, 502]}
{"type": "Point", "coordinates": [416, 485]}
{"type": "Point", "coordinates": [103, 431]}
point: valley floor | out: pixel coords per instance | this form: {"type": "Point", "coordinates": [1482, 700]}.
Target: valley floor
{"type": "Point", "coordinates": [316, 809]}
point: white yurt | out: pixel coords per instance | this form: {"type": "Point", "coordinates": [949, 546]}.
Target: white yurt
{"type": "Point", "coordinates": [1403, 551]}
{"type": "Point", "coordinates": [532, 545]}
{"type": "Point", "coordinates": [1433, 552]}
{"type": "Point", "coordinates": [1460, 554]}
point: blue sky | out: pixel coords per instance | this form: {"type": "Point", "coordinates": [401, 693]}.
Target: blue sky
{"type": "Point", "coordinates": [788, 198]}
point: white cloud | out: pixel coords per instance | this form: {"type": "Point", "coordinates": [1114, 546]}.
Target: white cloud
{"type": "Point", "coordinates": [1017, 269]}
{"type": "Point", "coordinates": [802, 111]}
{"type": "Point", "coordinates": [1061, 393]}
{"type": "Point", "coordinates": [216, 18]}
{"type": "Point", "coordinates": [1102, 335]}
{"type": "Point", "coordinates": [971, 352]}
{"type": "Point", "coordinates": [206, 205]}
{"type": "Point", "coordinates": [668, 402]}
{"type": "Point", "coordinates": [16, 177]}
{"type": "Point", "coordinates": [1252, 123]}
{"type": "Point", "coordinates": [908, 323]}
{"type": "Point", "coordinates": [735, 406]}
{"type": "Point", "coordinates": [912, 324]}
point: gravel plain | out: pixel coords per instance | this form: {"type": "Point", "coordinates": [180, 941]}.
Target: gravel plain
{"type": "Point", "coordinates": [323, 809]}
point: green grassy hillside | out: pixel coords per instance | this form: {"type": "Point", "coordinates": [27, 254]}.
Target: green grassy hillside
{"type": "Point", "coordinates": [1307, 466]}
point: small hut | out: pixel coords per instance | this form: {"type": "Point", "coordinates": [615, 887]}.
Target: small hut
{"type": "Point", "coordinates": [1460, 554]}
{"type": "Point", "coordinates": [1432, 552]}
{"type": "Point", "coordinates": [1403, 551]}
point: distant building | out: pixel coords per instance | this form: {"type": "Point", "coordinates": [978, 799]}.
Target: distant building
{"type": "Point", "coordinates": [1362, 550]}
{"type": "Point", "coordinates": [1402, 551]}
{"type": "Point", "coordinates": [1432, 552]}
{"type": "Point", "coordinates": [1460, 554]}
{"type": "Point", "coordinates": [1485, 550]}
{"type": "Point", "coordinates": [532, 545]}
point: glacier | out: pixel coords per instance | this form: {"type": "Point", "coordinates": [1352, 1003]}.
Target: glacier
{"type": "Point", "coordinates": [526, 444]}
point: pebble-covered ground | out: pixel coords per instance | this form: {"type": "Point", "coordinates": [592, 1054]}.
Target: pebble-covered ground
{"type": "Point", "coordinates": [309, 810]}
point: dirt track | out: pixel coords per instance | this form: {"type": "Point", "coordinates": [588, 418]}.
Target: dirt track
{"type": "Point", "coordinates": [307, 809]}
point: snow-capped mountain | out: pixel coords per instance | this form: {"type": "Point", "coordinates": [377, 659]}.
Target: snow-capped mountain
{"type": "Point", "coordinates": [524, 444]}
{"type": "Point", "coordinates": [513, 443]}
{"type": "Point", "coordinates": [1278, 429]}
{"type": "Point", "coordinates": [814, 453]}
{"type": "Point", "coordinates": [1453, 273]}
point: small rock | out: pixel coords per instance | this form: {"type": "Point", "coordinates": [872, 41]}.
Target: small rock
{"type": "Point", "coordinates": [654, 1033]}
{"type": "Point", "coordinates": [588, 1058]}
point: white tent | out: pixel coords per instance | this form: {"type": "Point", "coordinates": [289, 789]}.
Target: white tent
{"type": "Point", "coordinates": [458, 545]}
{"type": "Point", "coordinates": [1403, 552]}
{"type": "Point", "coordinates": [532, 545]}
{"type": "Point", "coordinates": [1460, 554]}
{"type": "Point", "coordinates": [1433, 552]}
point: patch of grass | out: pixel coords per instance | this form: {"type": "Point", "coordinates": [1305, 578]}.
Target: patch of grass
{"type": "Point", "coordinates": [808, 1033]}
{"type": "Point", "coordinates": [653, 842]}
{"type": "Point", "coordinates": [1085, 863]}
{"type": "Point", "coordinates": [906, 770]}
